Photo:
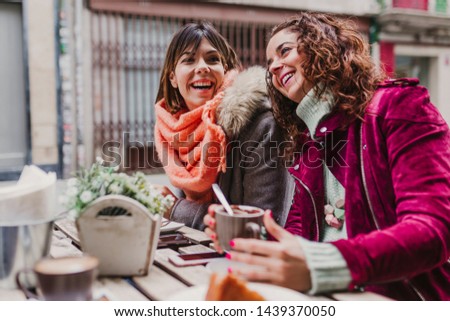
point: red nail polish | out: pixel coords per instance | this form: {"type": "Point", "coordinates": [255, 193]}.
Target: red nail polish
{"type": "Point", "coordinates": [230, 270]}
{"type": "Point", "coordinates": [228, 256]}
{"type": "Point", "coordinates": [232, 243]}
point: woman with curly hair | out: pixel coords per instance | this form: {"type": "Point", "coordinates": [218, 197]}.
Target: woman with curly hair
{"type": "Point", "coordinates": [372, 170]}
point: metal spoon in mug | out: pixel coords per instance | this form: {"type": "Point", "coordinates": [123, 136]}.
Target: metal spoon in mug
{"type": "Point", "coordinates": [222, 199]}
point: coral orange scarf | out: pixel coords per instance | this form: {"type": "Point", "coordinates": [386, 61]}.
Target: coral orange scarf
{"type": "Point", "coordinates": [192, 146]}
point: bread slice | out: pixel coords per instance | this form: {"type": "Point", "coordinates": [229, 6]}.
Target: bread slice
{"type": "Point", "coordinates": [230, 288]}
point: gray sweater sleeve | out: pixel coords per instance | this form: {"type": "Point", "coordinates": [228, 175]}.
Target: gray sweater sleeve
{"type": "Point", "coordinates": [190, 213]}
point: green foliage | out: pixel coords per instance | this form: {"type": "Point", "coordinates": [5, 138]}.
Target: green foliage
{"type": "Point", "coordinates": [90, 184]}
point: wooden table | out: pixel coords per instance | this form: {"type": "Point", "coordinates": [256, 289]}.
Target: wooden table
{"type": "Point", "coordinates": [163, 280]}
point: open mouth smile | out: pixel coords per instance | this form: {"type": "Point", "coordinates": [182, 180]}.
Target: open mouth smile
{"type": "Point", "coordinates": [286, 77]}
{"type": "Point", "coordinates": [202, 85]}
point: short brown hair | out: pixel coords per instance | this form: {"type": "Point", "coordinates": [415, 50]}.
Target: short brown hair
{"type": "Point", "coordinates": [191, 35]}
{"type": "Point", "coordinates": [337, 57]}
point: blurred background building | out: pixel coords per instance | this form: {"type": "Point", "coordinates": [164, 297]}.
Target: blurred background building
{"type": "Point", "coordinates": [76, 74]}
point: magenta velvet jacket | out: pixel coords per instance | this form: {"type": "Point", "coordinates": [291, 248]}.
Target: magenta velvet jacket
{"type": "Point", "coordinates": [395, 167]}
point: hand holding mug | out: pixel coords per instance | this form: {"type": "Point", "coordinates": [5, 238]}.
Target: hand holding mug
{"type": "Point", "coordinates": [210, 222]}
{"type": "Point", "coordinates": [281, 263]}
{"type": "Point", "coordinates": [246, 222]}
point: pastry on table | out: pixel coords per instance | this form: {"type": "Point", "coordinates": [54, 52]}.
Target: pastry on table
{"type": "Point", "coordinates": [230, 288]}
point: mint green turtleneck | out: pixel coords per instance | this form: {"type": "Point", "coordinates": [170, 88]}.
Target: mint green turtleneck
{"type": "Point", "coordinates": [311, 110]}
{"type": "Point", "coordinates": [328, 268]}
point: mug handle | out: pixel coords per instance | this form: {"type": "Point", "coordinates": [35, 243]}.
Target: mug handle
{"type": "Point", "coordinates": [253, 230]}
{"type": "Point", "coordinates": [28, 293]}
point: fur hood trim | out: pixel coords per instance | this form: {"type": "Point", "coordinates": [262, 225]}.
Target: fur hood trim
{"type": "Point", "coordinates": [245, 98]}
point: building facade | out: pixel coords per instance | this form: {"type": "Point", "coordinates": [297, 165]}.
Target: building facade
{"type": "Point", "coordinates": [414, 41]}
{"type": "Point", "coordinates": [91, 68]}
{"type": "Point", "coordinates": [127, 47]}
{"type": "Point", "coordinates": [29, 123]}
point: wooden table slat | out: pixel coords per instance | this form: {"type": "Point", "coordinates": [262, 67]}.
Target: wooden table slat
{"type": "Point", "coordinates": [158, 284]}
{"type": "Point", "coordinates": [63, 246]}
{"type": "Point", "coordinates": [117, 289]}
{"type": "Point", "coordinates": [69, 228]}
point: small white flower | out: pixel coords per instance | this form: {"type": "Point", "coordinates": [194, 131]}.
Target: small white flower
{"type": "Point", "coordinates": [99, 160]}
{"type": "Point", "coordinates": [72, 191]}
{"type": "Point", "coordinates": [168, 200]}
{"type": "Point", "coordinates": [153, 194]}
{"type": "Point", "coordinates": [140, 175]}
{"type": "Point", "coordinates": [115, 188]}
{"type": "Point", "coordinates": [72, 182]}
{"type": "Point", "coordinates": [86, 197]}
{"type": "Point", "coordinates": [130, 186]}
{"type": "Point", "coordinates": [96, 183]}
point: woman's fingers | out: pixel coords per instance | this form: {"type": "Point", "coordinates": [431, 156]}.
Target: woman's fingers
{"type": "Point", "coordinates": [259, 268]}
{"type": "Point", "coordinates": [260, 262]}
{"type": "Point", "coordinates": [255, 274]}
{"type": "Point", "coordinates": [211, 209]}
{"type": "Point", "coordinates": [213, 236]}
{"type": "Point", "coordinates": [273, 228]}
{"type": "Point", "coordinates": [209, 221]}
{"type": "Point", "coordinates": [263, 248]}
{"type": "Point", "coordinates": [282, 266]}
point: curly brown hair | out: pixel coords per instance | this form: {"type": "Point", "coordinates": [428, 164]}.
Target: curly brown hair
{"type": "Point", "coordinates": [337, 57]}
{"type": "Point", "coordinates": [190, 36]}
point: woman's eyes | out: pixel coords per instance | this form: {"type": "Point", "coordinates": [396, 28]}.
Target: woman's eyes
{"type": "Point", "coordinates": [211, 60]}
{"type": "Point", "coordinates": [284, 50]}
{"type": "Point", "coordinates": [214, 59]}
{"type": "Point", "coordinates": [188, 60]}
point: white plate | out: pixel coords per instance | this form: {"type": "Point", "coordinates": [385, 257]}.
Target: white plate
{"type": "Point", "coordinates": [170, 227]}
{"type": "Point", "coordinates": [268, 291]}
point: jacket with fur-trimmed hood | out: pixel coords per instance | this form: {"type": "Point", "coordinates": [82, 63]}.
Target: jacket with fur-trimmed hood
{"type": "Point", "coordinates": [255, 174]}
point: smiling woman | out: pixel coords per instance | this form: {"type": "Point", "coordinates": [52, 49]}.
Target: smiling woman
{"type": "Point", "coordinates": [285, 66]}
{"type": "Point", "coordinates": [198, 74]}
{"type": "Point", "coordinates": [215, 124]}
{"type": "Point", "coordinates": [374, 213]}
